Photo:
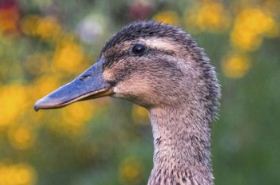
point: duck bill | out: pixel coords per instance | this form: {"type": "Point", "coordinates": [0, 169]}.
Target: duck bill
{"type": "Point", "coordinates": [88, 85]}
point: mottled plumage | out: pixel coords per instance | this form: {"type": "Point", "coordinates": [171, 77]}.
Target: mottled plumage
{"type": "Point", "coordinates": [161, 68]}
{"type": "Point", "coordinates": [150, 29]}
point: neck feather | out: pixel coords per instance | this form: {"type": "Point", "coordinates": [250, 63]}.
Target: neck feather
{"type": "Point", "coordinates": [181, 146]}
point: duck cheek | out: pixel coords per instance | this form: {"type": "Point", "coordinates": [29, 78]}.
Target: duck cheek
{"type": "Point", "coordinates": [132, 93]}
{"type": "Point", "coordinates": [118, 92]}
{"type": "Point", "coordinates": [123, 91]}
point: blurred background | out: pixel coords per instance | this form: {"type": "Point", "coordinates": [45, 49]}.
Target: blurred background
{"type": "Point", "coordinates": [45, 43]}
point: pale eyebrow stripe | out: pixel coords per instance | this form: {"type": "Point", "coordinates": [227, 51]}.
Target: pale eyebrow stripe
{"type": "Point", "coordinates": [163, 44]}
{"type": "Point", "coordinates": [159, 43]}
{"type": "Point", "coordinates": [154, 43]}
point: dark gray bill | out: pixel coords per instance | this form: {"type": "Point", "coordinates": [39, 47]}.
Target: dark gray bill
{"type": "Point", "coordinates": [90, 84]}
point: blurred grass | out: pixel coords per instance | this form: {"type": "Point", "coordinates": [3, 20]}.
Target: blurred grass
{"type": "Point", "coordinates": [45, 43]}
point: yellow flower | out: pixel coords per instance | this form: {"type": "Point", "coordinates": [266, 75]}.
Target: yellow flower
{"type": "Point", "coordinates": [29, 25]}
{"type": "Point", "coordinates": [17, 174]}
{"type": "Point", "coordinates": [208, 16]}
{"type": "Point", "coordinates": [250, 25]}
{"type": "Point", "coordinates": [236, 65]}
{"type": "Point", "coordinates": [43, 85]}
{"type": "Point", "coordinates": [69, 57]}
{"type": "Point", "coordinates": [131, 171]}
{"type": "Point", "coordinates": [43, 27]}
{"type": "Point", "coordinates": [168, 17]}
{"type": "Point", "coordinates": [78, 112]}
{"type": "Point", "coordinates": [139, 115]}
{"type": "Point", "coordinates": [72, 120]}
{"type": "Point", "coordinates": [48, 28]}
{"type": "Point", "coordinates": [21, 138]}
{"type": "Point", "coordinates": [13, 101]}
{"type": "Point", "coordinates": [245, 40]}
{"type": "Point", "coordinates": [39, 88]}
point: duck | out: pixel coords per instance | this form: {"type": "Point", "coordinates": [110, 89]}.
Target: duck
{"type": "Point", "coordinates": [161, 68]}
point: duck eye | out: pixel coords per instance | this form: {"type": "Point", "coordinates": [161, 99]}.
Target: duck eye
{"type": "Point", "coordinates": [138, 49]}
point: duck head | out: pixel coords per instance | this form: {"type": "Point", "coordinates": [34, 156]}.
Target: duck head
{"type": "Point", "coordinates": [148, 63]}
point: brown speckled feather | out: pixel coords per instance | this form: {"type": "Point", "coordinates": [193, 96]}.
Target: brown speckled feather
{"type": "Point", "coordinates": [175, 81]}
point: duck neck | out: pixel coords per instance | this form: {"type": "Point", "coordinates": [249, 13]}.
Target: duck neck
{"type": "Point", "coordinates": [181, 146]}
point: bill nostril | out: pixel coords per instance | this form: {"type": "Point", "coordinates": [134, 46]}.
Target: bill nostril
{"type": "Point", "coordinates": [84, 77]}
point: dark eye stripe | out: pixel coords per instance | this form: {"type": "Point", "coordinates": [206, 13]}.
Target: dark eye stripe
{"type": "Point", "coordinates": [161, 51]}
{"type": "Point", "coordinates": [148, 51]}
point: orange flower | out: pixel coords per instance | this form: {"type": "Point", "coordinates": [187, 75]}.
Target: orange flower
{"type": "Point", "coordinates": [9, 16]}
